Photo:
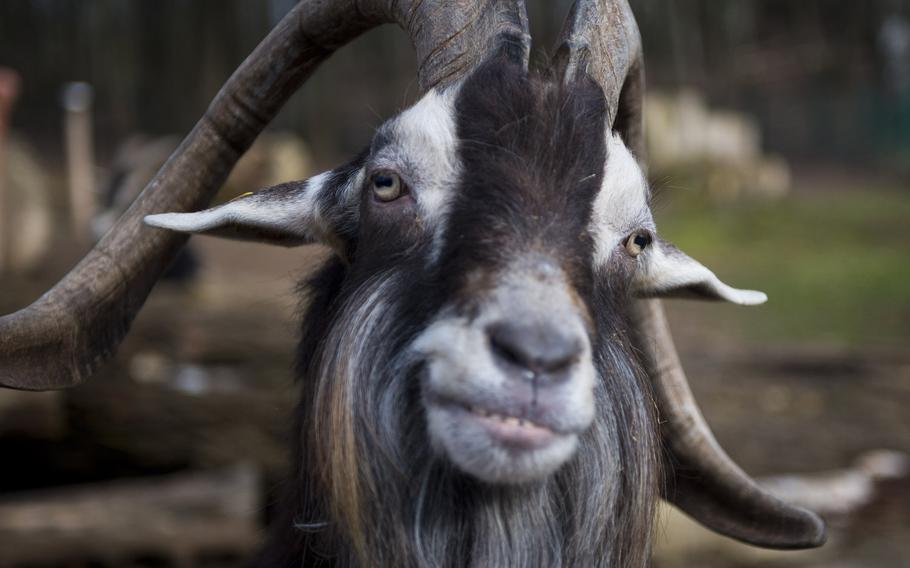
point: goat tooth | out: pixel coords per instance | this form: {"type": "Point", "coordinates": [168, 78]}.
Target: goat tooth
{"type": "Point", "coordinates": [478, 411]}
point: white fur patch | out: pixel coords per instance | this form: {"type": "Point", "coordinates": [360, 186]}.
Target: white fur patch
{"type": "Point", "coordinates": [621, 206]}
{"type": "Point", "coordinates": [426, 133]}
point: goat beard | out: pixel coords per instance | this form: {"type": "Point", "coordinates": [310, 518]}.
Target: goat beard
{"type": "Point", "coordinates": [371, 490]}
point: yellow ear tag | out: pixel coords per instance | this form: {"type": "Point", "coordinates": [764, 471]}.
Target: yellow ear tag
{"type": "Point", "coordinates": [242, 195]}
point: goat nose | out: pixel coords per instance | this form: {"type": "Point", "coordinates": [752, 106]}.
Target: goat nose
{"type": "Point", "coordinates": [538, 348]}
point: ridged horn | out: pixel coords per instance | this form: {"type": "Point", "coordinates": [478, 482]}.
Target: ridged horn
{"type": "Point", "coordinates": [600, 39]}
{"type": "Point", "coordinates": [61, 338]}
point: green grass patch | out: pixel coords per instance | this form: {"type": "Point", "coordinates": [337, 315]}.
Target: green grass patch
{"type": "Point", "coordinates": [836, 266]}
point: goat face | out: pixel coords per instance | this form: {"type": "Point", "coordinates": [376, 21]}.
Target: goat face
{"type": "Point", "coordinates": [507, 367]}
{"type": "Point", "coordinates": [493, 233]}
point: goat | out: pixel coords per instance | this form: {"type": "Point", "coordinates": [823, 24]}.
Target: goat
{"type": "Point", "coordinates": [487, 376]}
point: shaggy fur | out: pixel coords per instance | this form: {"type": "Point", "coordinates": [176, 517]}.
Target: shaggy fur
{"type": "Point", "coordinates": [369, 490]}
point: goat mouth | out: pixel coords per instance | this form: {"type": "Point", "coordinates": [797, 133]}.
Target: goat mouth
{"type": "Point", "coordinates": [503, 443]}
{"type": "Point", "coordinates": [510, 431]}
{"type": "Point", "coordinates": [507, 430]}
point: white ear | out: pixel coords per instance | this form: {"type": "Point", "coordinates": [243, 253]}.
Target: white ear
{"type": "Point", "coordinates": [290, 214]}
{"type": "Point", "coordinates": [667, 272]}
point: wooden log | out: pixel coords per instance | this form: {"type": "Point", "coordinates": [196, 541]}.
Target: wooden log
{"type": "Point", "coordinates": [190, 519]}
{"type": "Point", "coordinates": [200, 387]}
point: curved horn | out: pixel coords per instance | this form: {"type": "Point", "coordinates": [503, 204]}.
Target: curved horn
{"type": "Point", "coordinates": [601, 38]}
{"type": "Point", "coordinates": [61, 338]}
{"type": "Point", "coordinates": [706, 483]}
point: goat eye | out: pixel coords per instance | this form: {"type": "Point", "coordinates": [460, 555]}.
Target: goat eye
{"type": "Point", "coordinates": [637, 242]}
{"type": "Point", "coordinates": [387, 186]}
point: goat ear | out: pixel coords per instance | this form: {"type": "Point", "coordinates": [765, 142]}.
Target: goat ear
{"type": "Point", "coordinates": [321, 209]}
{"type": "Point", "coordinates": [667, 272]}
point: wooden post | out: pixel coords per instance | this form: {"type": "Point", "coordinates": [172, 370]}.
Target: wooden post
{"type": "Point", "coordinates": [9, 91]}
{"type": "Point", "coordinates": [80, 159]}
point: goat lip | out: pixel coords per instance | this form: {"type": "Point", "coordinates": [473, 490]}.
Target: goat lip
{"type": "Point", "coordinates": [515, 432]}
{"type": "Point", "coordinates": [511, 431]}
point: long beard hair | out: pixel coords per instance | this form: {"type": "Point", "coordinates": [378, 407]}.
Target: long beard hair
{"type": "Point", "coordinates": [370, 491]}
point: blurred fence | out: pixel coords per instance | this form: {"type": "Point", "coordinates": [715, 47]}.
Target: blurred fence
{"type": "Point", "coordinates": [828, 80]}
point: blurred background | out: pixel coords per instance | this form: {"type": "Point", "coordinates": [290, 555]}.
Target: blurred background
{"type": "Point", "coordinates": [779, 140]}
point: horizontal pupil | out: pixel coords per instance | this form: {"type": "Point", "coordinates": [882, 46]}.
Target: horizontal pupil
{"type": "Point", "coordinates": [641, 240]}
{"type": "Point", "coordinates": [383, 181]}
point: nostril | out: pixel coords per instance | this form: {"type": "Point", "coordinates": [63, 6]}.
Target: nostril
{"type": "Point", "coordinates": [504, 348]}
{"type": "Point", "coordinates": [541, 348]}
